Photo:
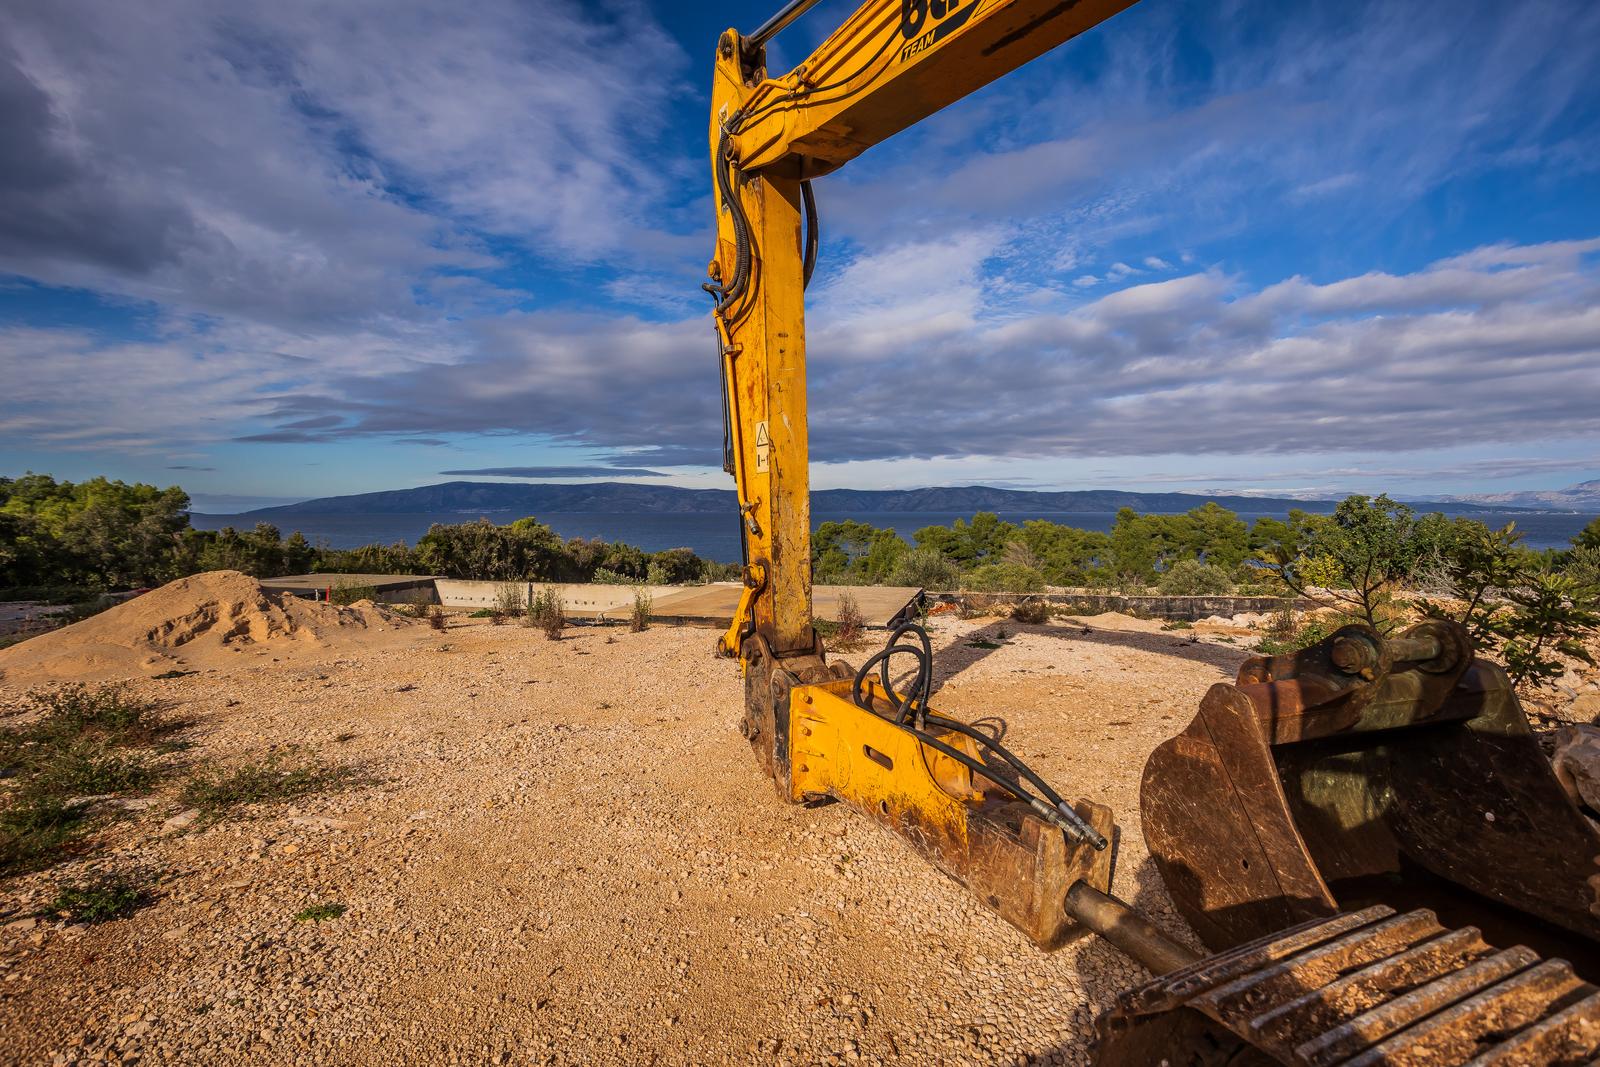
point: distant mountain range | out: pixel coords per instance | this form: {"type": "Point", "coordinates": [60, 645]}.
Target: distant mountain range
{"type": "Point", "coordinates": [498, 499]}
{"type": "Point", "coordinates": [1585, 496]}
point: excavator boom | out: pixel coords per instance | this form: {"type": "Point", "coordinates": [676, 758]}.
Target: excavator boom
{"type": "Point", "coordinates": [889, 66]}
{"type": "Point", "coordinates": [820, 730]}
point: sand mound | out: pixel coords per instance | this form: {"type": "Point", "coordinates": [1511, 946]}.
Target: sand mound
{"type": "Point", "coordinates": [1116, 620]}
{"type": "Point", "coordinates": [192, 622]}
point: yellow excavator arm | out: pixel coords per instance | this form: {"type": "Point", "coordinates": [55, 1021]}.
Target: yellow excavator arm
{"type": "Point", "coordinates": [821, 730]}
{"type": "Point", "coordinates": [892, 63]}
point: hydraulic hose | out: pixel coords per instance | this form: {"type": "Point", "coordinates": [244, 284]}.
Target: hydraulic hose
{"type": "Point", "coordinates": [810, 202]}
{"type": "Point", "coordinates": [734, 289]}
{"type": "Point", "coordinates": [910, 712]}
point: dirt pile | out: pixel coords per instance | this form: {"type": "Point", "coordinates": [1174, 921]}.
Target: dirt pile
{"type": "Point", "coordinates": [193, 622]}
{"type": "Point", "coordinates": [1117, 621]}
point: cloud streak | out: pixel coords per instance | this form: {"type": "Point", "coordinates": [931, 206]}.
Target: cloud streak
{"type": "Point", "coordinates": [540, 473]}
{"type": "Point", "coordinates": [1477, 348]}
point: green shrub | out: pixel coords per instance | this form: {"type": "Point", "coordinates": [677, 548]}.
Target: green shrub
{"type": "Point", "coordinates": [112, 713]}
{"type": "Point", "coordinates": [86, 767]}
{"type": "Point", "coordinates": [1004, 578]}
{"type": "Point", "coordinates": [511, 599]}
{"type": "Point", "coordinates": [347, 593]}
{"type": "Point", "coordinates": [1583, 566]}
{"type": "Point", "coordinates": [1282, 640]}
{"type": "Point", "coordinates": [317, 913]}
{"type": "Point", "coordinates": [1517, 606]}
{"type": "Point", "coordinates": [34, 830]}
{"type": "Point", "coordinates": [215, 790]}
{"type": "Point", "coordinates": [1032, 612]}
{"type": "Point", "coordinates": [548, 613]}
{"type": "Point", "coordinates": [1190, 577]}
{"type": "Point", "coordinates": [926, 568]}
{"type": "Point", "coordinates": [74, 745]}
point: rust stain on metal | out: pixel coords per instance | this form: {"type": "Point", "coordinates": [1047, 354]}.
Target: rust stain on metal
{"type": "Point", "coordinates": [1369, 770]}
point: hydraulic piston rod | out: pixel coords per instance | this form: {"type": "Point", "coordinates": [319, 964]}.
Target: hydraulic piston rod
{"type": "Point", "coordinates": [1128, 929]}
{"type": "Point", "coordinates": [773, 26]}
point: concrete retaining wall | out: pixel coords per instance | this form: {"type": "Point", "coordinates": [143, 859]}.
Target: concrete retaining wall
{"type": "Point", "coordinates": [581, 601]}
{"type": "Point", "coordinates": [1093, 602]}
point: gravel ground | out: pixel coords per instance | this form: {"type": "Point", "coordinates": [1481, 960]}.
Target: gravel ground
{"type": "Point", "coordinates": [565, 854]}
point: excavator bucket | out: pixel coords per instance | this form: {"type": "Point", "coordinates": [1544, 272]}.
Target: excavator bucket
{"type": "Point", "coordinates": [1372, 771]}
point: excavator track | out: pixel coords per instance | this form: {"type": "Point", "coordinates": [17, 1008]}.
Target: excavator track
{"type": "Point", "coordinates": [1360, 988]}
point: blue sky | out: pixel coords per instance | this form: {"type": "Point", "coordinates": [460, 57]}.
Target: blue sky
{"type": "Point", "coordinates": [292, 250]}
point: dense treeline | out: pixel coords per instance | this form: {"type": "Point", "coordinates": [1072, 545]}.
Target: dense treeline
{"type": "Point", "coordinates": [1364, 543]}
{"type": "Point", "coordinates": [102, 534]}
{"type": "Point", "coordinates": [61, 538]}
{"type": "Point", "coordinates": [1372, 560]}
{"type": "Point", "coordinates": [1533, 610]}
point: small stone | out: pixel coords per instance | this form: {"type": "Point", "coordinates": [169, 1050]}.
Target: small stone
{"type": "Point", "coordinates": [1583, 710]}
{"type": "Point", "coordinates": [22, 926]}
{"type": "Point", "coordinates": [1576, 761]}
{"type": "Point", "coordinates": [181, 821]}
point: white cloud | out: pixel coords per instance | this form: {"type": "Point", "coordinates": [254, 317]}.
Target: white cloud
{"type": "Point", "coordinates": [909, 356]}
{"type": "Point", "coordinates": [307, 166]}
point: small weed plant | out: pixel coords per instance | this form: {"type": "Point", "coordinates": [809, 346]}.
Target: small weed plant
{"type": "Point", "coordinates": [549, 613]}
{"type": "Point", "coordinates": [639, 618]}
{"type": "Point", "coordinates": [317, 913]}
{"type": "Point", "coordinates": [1030, 611]}
{"type": "Point", "coordinates": [74, 743]}
{"type": "Point", "coordinates": [346, 594]}
{"type": "Point", "coordinates": [279, 777]}
{"type": "Point", "coordinates": [850, 625]}
{"type": "Point", "coordinates": [101, 898]}
{"type": "Point", "coordinates": [510, 600]}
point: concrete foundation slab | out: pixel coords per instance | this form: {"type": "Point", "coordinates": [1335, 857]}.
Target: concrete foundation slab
{"type": "Point", "coordinates": [713, 605]}
{"type": "Point", "coordinates": [698, 605]}
{"type": "Point", "coordinates": [390, 588]}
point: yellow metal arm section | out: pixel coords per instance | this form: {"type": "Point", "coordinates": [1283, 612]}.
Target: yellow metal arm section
{"type": "Point", "coordinates": [892, 64]}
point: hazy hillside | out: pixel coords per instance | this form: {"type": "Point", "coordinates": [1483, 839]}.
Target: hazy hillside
{"type": "Point", "coordinates": [490, 498]}
{"type": "Point", "coordinates": [1585, 496]}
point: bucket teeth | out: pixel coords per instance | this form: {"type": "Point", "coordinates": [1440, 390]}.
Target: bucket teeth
{"type": "Point", "coordinates": [1375, 988]}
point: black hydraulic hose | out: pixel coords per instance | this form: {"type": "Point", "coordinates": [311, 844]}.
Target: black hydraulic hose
{"type": "Point", "coordinates": [996, 747]}
{"type": "Point", "coordinates": [810, 202]}
{"type": "Point", "coordinates": [808, 94]}
{"type": "Point", "coordinates": [915, 700]}
{"type": "Point", "coordinates": [727, 415]}
{"type": "Point", "coordinates": [1058, 815]}
{"type": "Point", "coordinates": [915, 703]}
{"type": "Point", "coordinates": [727, 294]}
{"type": "Point", "coordinates": [911, 713]}
{"type": "Point", "coordinates": [920, 691]}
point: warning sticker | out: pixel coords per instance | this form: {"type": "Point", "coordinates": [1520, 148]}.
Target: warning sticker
{"type": "Point", "coordinates": [763, 446]}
